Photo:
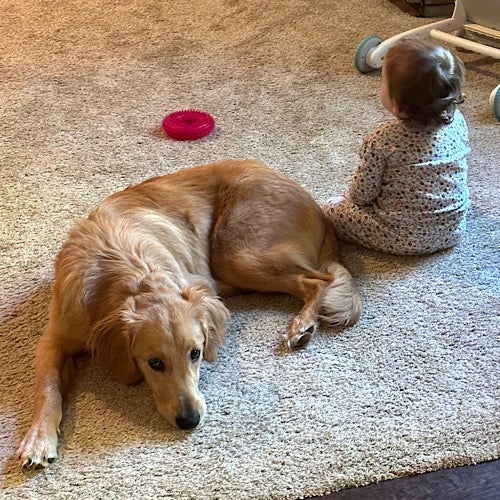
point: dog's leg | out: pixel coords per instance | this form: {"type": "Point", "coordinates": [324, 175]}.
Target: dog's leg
{"type": "Point", "coordinates": [266, 274]}
{"type": "Point", "coordinates": [303, 283]}
{"type": "Point", "coordinates": [39, 447]}
{"type": "Point", "coordinates": [311, 291]}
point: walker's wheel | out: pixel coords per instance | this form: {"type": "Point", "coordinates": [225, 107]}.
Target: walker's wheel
{"type": "Point", "coordinates": [495, 102]}
{"type": "Point", "coordinates": [363, 51]}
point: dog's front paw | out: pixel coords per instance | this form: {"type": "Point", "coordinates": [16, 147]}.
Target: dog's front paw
{"type": "Point", "coordinates": [38, 448]}
{"type": "Point", "coordinates": [299, 335]}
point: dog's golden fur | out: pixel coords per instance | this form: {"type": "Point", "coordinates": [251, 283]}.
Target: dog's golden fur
{"type": "Point", "coordinates": [138, 282]}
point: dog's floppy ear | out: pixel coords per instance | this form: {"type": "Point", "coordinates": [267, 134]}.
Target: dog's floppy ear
{"type": "Point", "coordinates": [110, 342]}
{"type": "Point", "coordinates": [212, 314]}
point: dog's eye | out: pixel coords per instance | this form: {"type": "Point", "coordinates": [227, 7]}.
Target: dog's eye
{"type": "Point", "coordinates": [195, 354]}
{"type": "Point", "coordinates": [156, 364]}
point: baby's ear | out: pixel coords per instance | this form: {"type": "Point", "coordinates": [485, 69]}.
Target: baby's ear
{"type": "Point", "coordinates": [213, 316]}
{"type": "Point", "coordinates": [399, 113]}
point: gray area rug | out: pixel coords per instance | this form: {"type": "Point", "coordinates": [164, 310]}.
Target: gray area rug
{"type": "Point", "coordinates": [413, 387]}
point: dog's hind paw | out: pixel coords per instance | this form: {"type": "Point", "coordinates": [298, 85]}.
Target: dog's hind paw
{"type": "Point", "coordinates": [300, 339]}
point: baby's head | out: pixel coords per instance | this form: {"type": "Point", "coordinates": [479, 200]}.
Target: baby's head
{"type": "Point", "coordinates": [422, 82]}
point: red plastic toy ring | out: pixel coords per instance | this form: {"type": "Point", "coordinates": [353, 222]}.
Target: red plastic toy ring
{"type": "Point", "coordinates": [188, 124]}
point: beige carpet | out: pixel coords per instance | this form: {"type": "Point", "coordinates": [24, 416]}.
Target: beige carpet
{"type": "Point", "coordinates": [413, 387]}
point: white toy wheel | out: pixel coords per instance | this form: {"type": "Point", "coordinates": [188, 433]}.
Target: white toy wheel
{"type": "Point", "coordinates": [495, 102]}
{"type": "Point", "coordinates": [363, 51]}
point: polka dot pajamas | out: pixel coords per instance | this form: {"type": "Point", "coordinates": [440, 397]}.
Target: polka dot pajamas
{"type": "Point", "coordinates": [409, 194]}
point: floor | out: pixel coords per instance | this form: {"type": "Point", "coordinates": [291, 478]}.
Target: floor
{"type": "Point", "coordinates": [475, 482]}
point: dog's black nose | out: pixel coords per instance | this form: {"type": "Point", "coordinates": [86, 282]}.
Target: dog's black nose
{"type": "Point", "coordinates": [187, 420]}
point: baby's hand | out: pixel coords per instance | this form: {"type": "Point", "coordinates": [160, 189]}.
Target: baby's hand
{"type": "Point", "coordinates": [329, 205]}
{"type": "Point", "coordinates": [335, 199]}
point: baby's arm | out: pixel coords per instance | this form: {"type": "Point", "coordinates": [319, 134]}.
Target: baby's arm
{"type": "Point", "coordinates": [366, 182]}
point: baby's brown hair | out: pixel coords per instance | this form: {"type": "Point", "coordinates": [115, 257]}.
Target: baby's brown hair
{"type": "Point", "coordinates": [425, 80]}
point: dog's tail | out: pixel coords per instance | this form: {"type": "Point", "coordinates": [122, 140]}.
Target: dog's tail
{"type": "Point", "coordinates": [341, 304]}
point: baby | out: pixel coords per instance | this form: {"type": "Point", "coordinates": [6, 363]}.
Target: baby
{"type": "Point", "coordinates": [409, 194]}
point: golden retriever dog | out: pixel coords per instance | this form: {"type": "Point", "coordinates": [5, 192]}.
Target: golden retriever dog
{"type": "Point", "coordinates": [138, 284]}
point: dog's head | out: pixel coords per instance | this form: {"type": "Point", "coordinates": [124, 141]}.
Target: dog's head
{"type": "Point", "coordinates": [163, 336]}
